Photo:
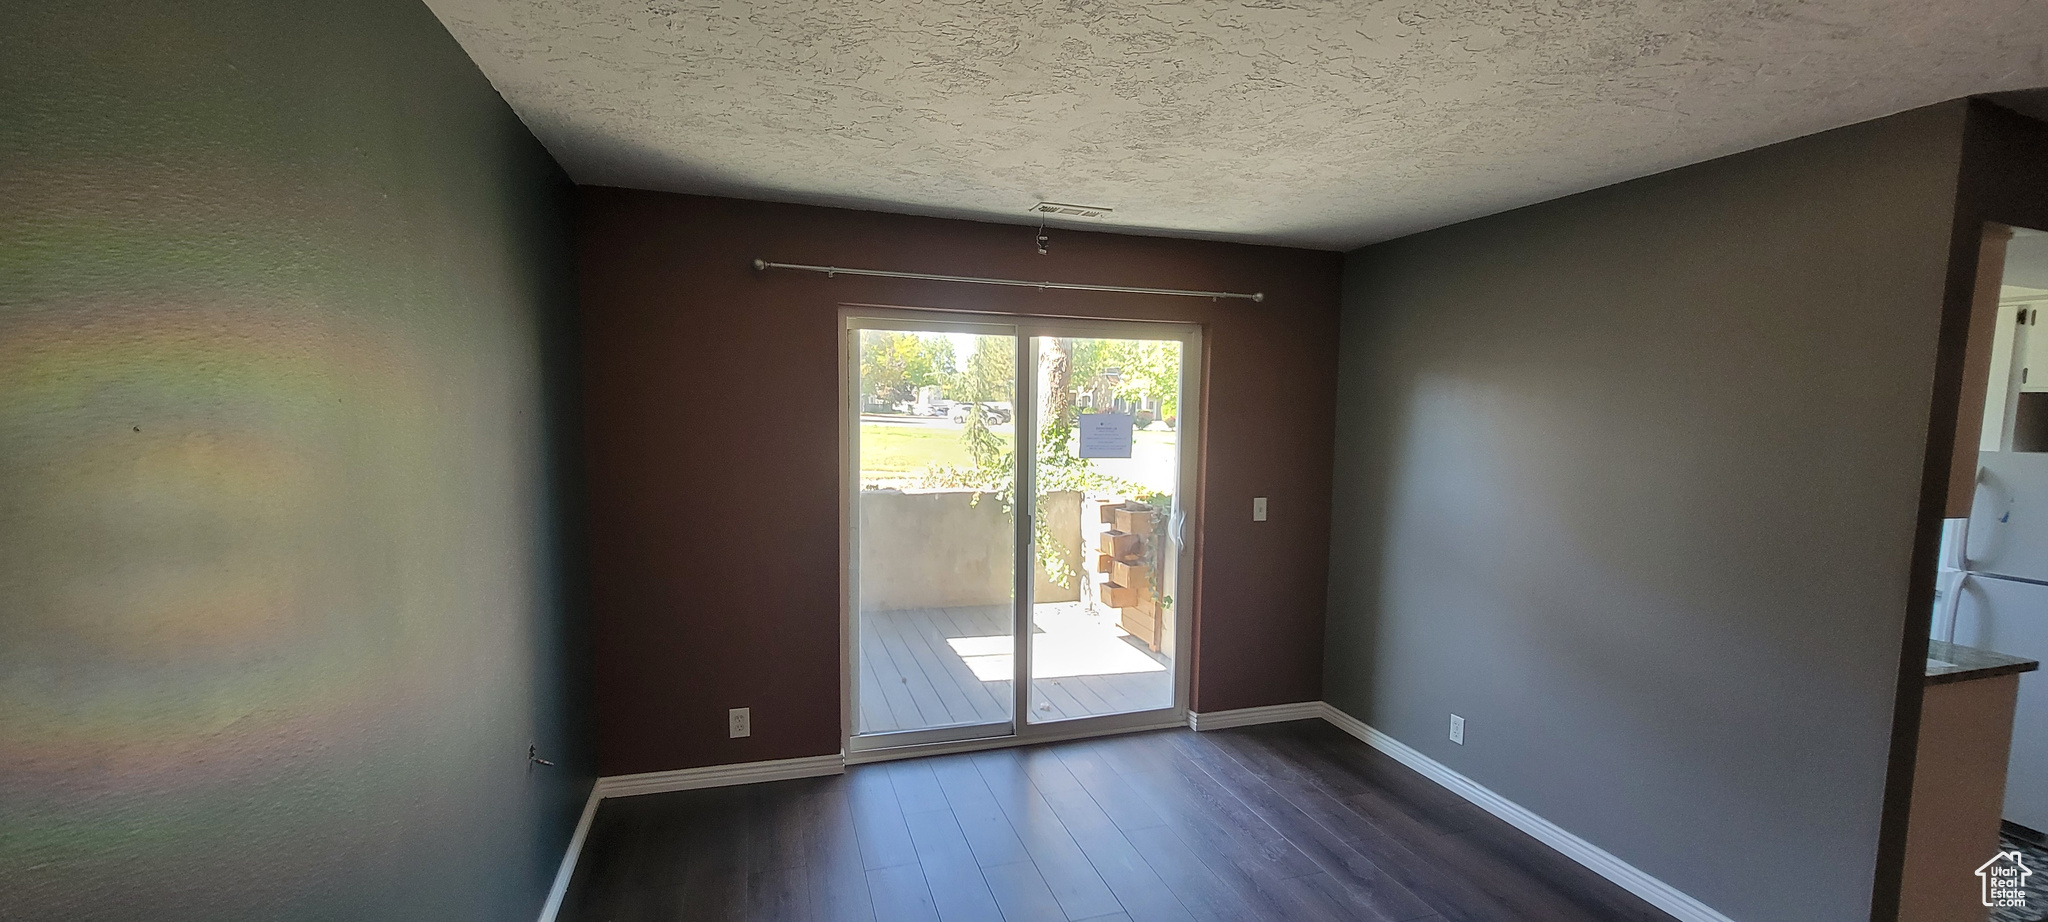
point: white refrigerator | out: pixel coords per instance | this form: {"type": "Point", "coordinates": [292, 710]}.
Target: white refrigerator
{"type": "Point", "coordinates": [1994, 596]}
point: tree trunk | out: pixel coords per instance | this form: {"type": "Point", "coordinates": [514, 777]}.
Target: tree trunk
{"type": "Point", "coordinates": [1057, 368]}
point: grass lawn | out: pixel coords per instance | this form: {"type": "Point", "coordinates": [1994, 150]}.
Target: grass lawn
{"type": "Point", "coordinates": [895, 453]}
{"type": "Point", "coordinates": [892, 452]}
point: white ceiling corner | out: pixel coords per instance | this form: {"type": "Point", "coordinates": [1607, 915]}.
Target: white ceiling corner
{"type": "Point", "coordinates": [1304, 122]}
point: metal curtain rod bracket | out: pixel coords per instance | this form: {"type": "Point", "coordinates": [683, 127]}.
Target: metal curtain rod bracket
{"type": "Point", "coordinates": [835, 271]}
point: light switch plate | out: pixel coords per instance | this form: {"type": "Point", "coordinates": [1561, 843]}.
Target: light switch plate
{"type": "Point", "coordinates": [739, 722]}
{"type": "Point", "coordinates": [1258, 508]}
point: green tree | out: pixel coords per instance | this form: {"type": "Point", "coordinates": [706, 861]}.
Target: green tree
{"type": "Point", "coordinates": [1152, 370]}
{"type": "Point", "coordinates": [895, 365]}
{"type": "Point", "coordinates": [988, 377]}
{"type": "Point", "coordinates": [1143, 369]}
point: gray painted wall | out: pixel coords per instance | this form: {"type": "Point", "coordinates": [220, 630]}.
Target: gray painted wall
{"type": "Point", "coordinates": [1630, 481]}
{"type": "Point", "coordinates": [284, 297]}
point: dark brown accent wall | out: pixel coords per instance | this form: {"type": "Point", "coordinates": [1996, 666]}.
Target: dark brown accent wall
{"type": "Point", "coordinates": [711, 395]}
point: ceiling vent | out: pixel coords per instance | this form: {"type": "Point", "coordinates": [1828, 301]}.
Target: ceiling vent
{"type": "Point", "coordinates": [1071, 211]}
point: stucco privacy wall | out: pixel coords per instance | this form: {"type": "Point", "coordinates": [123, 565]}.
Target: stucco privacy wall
{"type": "Point", "coordinates": [954, 547]}
{"type": "Point", "coordinates": [282, 600]}
{"type": "Point", "coordinates": [1631, 480]}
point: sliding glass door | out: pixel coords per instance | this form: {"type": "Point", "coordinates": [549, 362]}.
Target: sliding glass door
{"type": "Point", "coordinates": [935, 537]}
{"type": "Point", "coordinates": [1106, 474]}
{"type": "Point", "coordinates": [968, 606]}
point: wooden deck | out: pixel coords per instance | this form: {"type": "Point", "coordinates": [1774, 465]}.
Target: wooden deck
{"type": "Point", "coordinates": [942, 667]}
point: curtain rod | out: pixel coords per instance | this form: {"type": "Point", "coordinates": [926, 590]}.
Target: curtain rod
{"type": "Point", "coordinates": [764, 265]}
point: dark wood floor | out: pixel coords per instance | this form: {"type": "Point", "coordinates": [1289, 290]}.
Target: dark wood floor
{"type": "Point", "coordinates": [1286, 821]}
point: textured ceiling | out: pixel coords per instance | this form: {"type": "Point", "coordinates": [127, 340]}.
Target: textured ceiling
{"type": "Point", "coordinates": [2026, 260]}
{"type": "Point", "coordinates": [1326, 124]}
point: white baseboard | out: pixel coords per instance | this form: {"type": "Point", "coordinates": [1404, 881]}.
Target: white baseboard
{"type": "Point", "coordinates": [686, 779]}
{"type": "Point", "coordinates": [1656, 892]}
{"type": "Point", "coordinates": [1245, 717]}
{"type": "Point", "coordinates": [1043, 733]}
{"type": "Point", "coordinates": [1627, 876]}
{"type": "Point", "coordinates": [575, 850]}
{"type": "Point", "coordinates": [712, 776]}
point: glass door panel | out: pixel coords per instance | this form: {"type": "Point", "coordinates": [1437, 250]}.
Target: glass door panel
{"type": "Point", "coordinates": [934, 531]}
{"type": "Point", "coordinates": [1107, 470]}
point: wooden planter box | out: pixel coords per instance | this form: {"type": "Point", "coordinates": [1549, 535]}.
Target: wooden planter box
{"type": "Point", "coordinates": [1135, 575]}
{"type": "Point", "coordinates": [1116, 596]}
{"type": "Point", "coordinates": [1138, 624]}
{"type": "Point", "coordinates": [1103, 563]}
{"type": "Point", "coordinates": [1108, 512]}
{"type": "Point", "coordinates": [1134, 519]}
{"type": "Point", "coordinates": [1122, 545]}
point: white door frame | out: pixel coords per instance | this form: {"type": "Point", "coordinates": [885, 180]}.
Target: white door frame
{"type": "Point", "coordinates": [1185, 522]}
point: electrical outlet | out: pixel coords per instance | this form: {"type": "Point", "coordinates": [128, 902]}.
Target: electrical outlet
{"type": "Point", "coordinates": [1457, 729]}
{"type": "Point", "coordinates": [739, 722]}
{"type": "Point", "coordinates": [1258, 508]}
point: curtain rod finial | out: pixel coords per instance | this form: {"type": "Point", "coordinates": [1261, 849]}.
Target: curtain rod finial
{"type": "Point", "coordinates": [760, 265]}
{"type": "Point", "coordinates": [1258, 296]}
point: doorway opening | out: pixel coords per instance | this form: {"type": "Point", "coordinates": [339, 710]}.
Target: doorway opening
{"type": "Point", "coordinates": [1019, 498]}
{"type": "Point", "coordinates": [1980, 783]}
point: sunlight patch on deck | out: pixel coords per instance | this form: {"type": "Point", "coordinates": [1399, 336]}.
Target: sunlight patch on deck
{"type": "Point", "coordinates": [1053, 656]}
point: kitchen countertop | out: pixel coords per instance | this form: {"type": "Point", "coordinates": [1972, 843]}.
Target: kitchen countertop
{"type": "Point", "coordinates": [1947, 662]}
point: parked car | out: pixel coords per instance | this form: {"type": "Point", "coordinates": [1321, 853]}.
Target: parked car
{"type": "Point", "coordinates": [992, 414]}
{"type": "Point", "coordinates": [935, 408]}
